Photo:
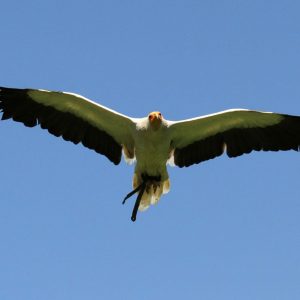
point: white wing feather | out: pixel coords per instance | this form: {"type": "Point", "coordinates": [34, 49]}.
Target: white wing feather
{"type": "Point", "coordinates": [186, 132]}
{"type": "Point", "coordinates": [117, 125]}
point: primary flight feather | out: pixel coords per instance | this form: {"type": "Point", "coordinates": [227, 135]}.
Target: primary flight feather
{"type": "Point", "coordinates": [153, 141]}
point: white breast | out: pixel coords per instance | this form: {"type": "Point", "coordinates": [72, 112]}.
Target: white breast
{"type": "Point", "coordinates": [152, 151]}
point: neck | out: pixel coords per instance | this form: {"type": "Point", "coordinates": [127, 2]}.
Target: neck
{"type": "Point", "coordinates": [155, 125]}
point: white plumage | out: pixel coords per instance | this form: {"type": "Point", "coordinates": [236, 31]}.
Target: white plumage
{"type": "Point", "coordinates": [151, 142]}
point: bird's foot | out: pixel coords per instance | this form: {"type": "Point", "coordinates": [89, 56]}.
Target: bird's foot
{"type": "Point", "coordinates": [140, 189]}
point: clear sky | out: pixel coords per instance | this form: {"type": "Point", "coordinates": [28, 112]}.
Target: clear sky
{"type": "Point", "coordinates": [229, 228]}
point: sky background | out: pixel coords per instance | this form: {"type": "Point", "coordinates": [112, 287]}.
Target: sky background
{"type": "Point", "coordinates": [228, 229]}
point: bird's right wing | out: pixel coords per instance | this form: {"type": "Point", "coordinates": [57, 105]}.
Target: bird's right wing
{"type": "Point", "coordinates": [71, 116]}
{"type": "Point", "coordinates": [234, 131]}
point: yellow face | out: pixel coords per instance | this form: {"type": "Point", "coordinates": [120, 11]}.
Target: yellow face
{"type": "Point", "coordinates": [155, 117]}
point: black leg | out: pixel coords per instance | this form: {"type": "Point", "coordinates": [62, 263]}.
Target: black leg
{"type": "Point", "coordinates": [138, 201]}
{"type": "Point", "coordinates": [132, 193]}
{"type": "Point", "coordinates": [141, 189]}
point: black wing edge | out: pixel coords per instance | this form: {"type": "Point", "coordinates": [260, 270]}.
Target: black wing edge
{"type": "Point", "coordinates": [282, 136]}
{"type": "Point", "coordinates": [17, 105]}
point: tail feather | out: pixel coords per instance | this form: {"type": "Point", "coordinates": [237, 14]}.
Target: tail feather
{"type": "Point", "coordinates": [153, 193]}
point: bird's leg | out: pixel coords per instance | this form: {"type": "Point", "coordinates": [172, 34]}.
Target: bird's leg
{"type": "Point", "coordinates": [144, 179]}
{"type": "Point", "coordinates": [138, 201]}
{"type": "Point", "coordinates": [141, 189]}
{"type": "Point", "coordinates": [132, 193]}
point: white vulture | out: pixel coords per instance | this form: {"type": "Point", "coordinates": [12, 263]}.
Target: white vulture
{"type": "Point", "coordinates": [152, 141]}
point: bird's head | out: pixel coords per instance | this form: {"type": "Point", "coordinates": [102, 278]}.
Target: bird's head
{"type": "Point", "coordinates": [155, 119]}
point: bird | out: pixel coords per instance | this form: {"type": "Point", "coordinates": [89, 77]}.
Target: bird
{"type": "Point", "coordinates": [151, 142]}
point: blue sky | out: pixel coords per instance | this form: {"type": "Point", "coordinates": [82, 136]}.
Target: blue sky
{"type": "Point", "coordinates": [229, 228]}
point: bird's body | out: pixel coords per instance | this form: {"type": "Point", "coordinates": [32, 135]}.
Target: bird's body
{"type": "Point", "coordinates": [152, 142]}
{"type": "Point", "coordinates": [152, 151]}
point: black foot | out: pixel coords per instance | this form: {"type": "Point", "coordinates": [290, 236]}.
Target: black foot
{"type": "Point", "coordinates": [141, 189]}
{"type": "Point", "coordinates": [132, 193]}
{"type": "Point", "coordinates": [138, 201]}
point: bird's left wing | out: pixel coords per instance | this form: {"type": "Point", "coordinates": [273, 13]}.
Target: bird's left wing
{"type": "Point", "coordinates": [234, 131]}
{"type": "Point", "coordinates": [71, 116]}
